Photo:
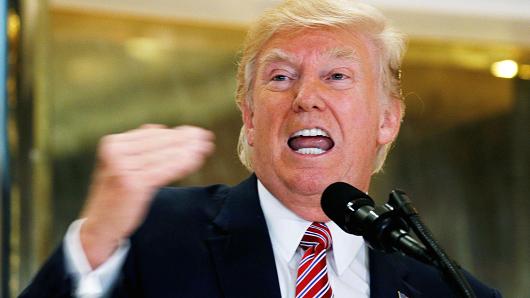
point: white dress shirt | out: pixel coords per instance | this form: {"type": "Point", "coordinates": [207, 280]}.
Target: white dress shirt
{"type": "Point", "coordinates": [90, 283]}
{"type": "Point", "coordinates": [347, 261]}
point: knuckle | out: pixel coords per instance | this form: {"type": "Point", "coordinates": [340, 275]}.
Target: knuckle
{"type": "Point", "coordinates": [109, 148]}
{"type": "Point", "coordinates": [109, 140]}
{"type": "Point", "coordinates": [105, 145]}
{"type": "Point", "coordinates": [152, 126]}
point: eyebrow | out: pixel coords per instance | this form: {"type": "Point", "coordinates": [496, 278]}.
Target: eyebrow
{"type": "Point", "coordinates": [276, 55]}
{"type": "Point", "coordinates": [343, 54]}
{"type": "Point", "coordinates": [279, 55]}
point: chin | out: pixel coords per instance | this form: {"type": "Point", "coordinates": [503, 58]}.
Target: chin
{"type": "Point", "coordinates": [308, 182]}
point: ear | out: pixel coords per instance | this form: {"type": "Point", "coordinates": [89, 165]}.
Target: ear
{"type": "Point", "coordinates": [248, 121]}
{"type": "Point", "coordinates": [389, 121]}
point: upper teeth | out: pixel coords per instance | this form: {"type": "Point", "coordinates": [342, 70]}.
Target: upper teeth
{"type": "Point", "coordinates": [313, 132]}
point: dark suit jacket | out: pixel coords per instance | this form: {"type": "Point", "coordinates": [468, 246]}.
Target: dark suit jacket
{"type": "Point", "coordinates": [213, 242]}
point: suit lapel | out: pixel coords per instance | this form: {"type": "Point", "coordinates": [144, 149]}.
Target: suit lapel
{"type": "Point", "coordinates": [388, 277]}
{"type": "Point", "coordinates": [240, 245]}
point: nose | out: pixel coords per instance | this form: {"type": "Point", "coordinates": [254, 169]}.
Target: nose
{"type": "Point", "coordinates": [308, 97]}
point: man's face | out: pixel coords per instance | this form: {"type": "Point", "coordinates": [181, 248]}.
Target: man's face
{"type": "Point", "coordinates": [317, 114]}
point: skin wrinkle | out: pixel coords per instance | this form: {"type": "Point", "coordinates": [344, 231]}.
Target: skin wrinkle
{"type": "Point", "coordinates": [279, 55]}
{"type": "Point", "coordinates": [287, 62]}
{"type": "Point", "coordinates": [349, 109]}
{"type": "Point", "coordinates": [294, 17]}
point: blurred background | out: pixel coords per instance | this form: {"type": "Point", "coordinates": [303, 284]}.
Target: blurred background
{"type": "Point", "coordinates": [80, 69]}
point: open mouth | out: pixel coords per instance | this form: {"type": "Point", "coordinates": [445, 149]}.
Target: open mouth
{"type": "Point", "coordinates": [314, 141]}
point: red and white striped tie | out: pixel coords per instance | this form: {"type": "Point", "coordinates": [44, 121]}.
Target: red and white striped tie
{"type": "Point", "coordinates": [312, 281]}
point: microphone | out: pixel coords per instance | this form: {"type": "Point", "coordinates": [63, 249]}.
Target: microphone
{"type": "Point", "coordinates": [385, 228]}
{"type": "Point", "coordinates": [381, 227]}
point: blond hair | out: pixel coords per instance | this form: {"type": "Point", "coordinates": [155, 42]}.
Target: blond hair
{"type": "Point", "coordinates": [298, 14]}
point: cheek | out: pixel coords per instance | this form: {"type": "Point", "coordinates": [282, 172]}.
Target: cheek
{"type": "Point", "coordinates": [270, 110]}
{"type": "Point", "coordinates": [268, 135]}
{"type": "Point", "coordinates": [358, 118]}
{"type": "Point", "coordinates": [265, 124]}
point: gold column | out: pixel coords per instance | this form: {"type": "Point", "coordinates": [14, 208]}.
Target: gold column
{"type": "Point", "coordinates": [32, 205]}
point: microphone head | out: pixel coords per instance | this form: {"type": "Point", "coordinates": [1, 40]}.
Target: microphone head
{"type": "Point", "coordinates": [335, 200]}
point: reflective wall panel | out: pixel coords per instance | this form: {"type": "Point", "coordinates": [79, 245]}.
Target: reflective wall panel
{"type": "Point", "coordinates": [463, 152]}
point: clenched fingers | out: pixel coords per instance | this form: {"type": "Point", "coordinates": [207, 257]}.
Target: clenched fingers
{"type": "Point", "coordinates": [156, 154]}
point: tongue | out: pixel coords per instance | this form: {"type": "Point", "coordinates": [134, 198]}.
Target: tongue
{"type": "Point", "coordinates": [323, 143]}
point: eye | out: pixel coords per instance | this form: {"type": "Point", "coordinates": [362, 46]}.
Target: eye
{"type": "Point", "coordinates": [340, 79]}
{"type": "Point", "coordinates": [279, 78]}
{"type": "Point", "coordinates": [338, 76]}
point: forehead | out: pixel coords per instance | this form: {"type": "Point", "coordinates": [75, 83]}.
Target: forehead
{"type": "Point", "coordinates": [333, 43]}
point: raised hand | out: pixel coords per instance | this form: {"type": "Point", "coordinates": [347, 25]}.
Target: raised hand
{"type": "Point", "coordinates": [130, 167]}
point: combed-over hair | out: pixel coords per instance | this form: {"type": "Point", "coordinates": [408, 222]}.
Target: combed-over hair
{"type": "Point", "coordinates": [298, 14]}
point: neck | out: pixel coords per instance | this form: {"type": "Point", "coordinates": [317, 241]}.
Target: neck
{"type": "Point", "coordinates": [302, 196]}
{"type": "Point", "coordinates": [306, 211]}
{"type": "Point", "coordinates": [306, 207]}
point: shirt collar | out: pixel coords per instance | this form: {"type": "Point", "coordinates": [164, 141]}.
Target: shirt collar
{"type": "Point", "coordinates": [286, 230]}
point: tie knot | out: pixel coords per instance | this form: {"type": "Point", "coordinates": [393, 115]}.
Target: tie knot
{"type": "Point", "coordinates": [317, 235]}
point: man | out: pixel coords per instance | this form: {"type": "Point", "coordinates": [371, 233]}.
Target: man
{"type": "Point", "coordinates": [318, 88]}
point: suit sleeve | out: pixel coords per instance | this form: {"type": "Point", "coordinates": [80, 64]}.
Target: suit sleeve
{"type": "Point", "coordinates": [481, 290]}
{"type": "Point", "coordinates": [497, 294]}
{"type": "Point", "coordinates": [52, 281]}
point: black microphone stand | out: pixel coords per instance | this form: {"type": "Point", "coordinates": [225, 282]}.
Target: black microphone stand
{"type": "Point", "coordinates": [385, 228]}
{"type": "Point", "coordinates": [404, 210]}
